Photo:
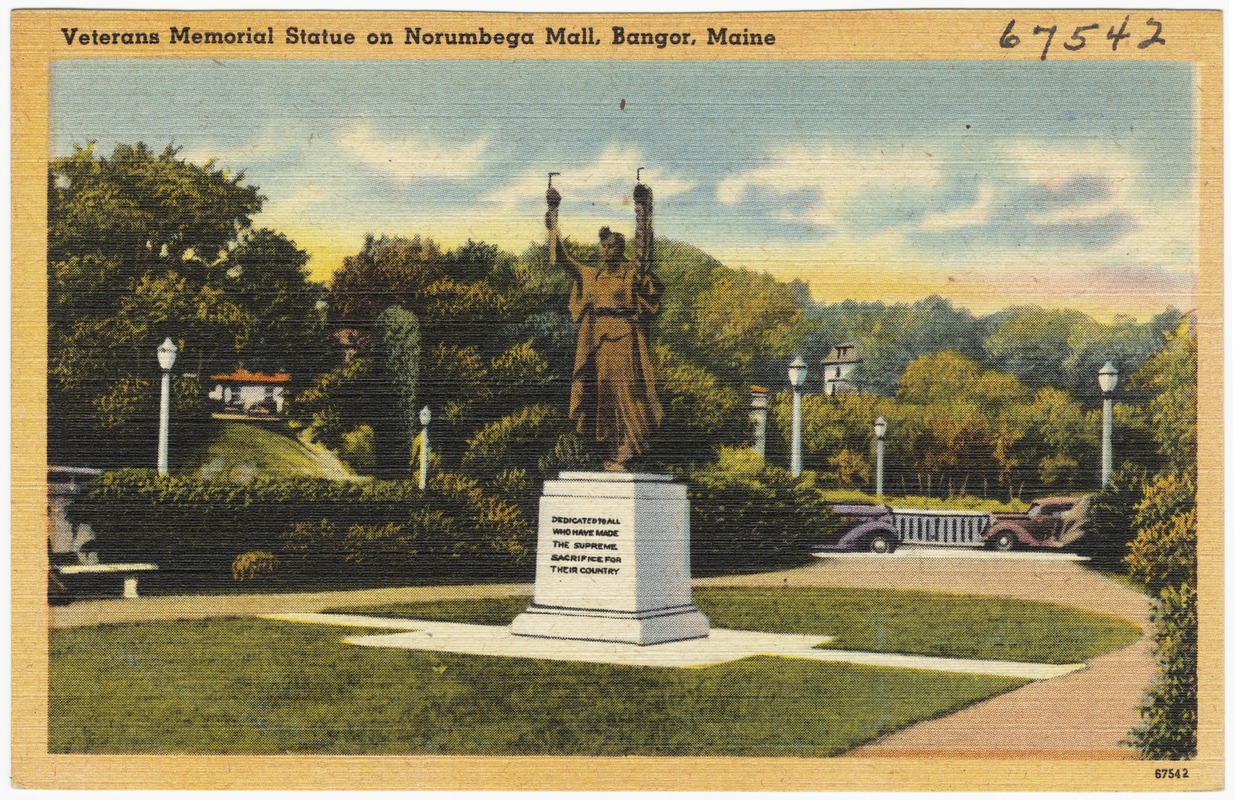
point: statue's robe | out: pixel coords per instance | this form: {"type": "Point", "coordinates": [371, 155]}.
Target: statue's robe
{"type": "Point", "coordinates": [613, 395]}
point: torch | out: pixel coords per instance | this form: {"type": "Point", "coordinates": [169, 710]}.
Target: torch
{"type": "Point", "coordinates": [554, 199]}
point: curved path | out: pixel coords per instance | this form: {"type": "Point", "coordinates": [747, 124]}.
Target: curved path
{"type": "Point", "coordinates": [1084, 715]}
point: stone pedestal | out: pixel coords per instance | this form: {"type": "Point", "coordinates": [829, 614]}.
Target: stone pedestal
{"type": "Point", "coordinates": [613, 561]}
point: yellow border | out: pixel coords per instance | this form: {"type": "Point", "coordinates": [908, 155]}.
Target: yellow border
{"type": "Point", "coordinates": [899, 35]}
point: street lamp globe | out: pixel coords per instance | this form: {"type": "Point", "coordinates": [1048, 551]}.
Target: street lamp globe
{"type": "Point", "coordinates": [167, 354]}
{"type": "Point", "coordinates": [881, 427]}
{"type": "Point", "coordinates": [797, 372]}
{"type": "Point", "coordinates": [1108, 377]}
{"type": "Point", "coordinates": [425, 416]}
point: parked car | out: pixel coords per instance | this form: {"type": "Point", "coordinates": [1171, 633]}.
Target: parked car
{"type": "Point", "coordinates": [1049, 522]}
{"type": "Point", "coordinates": [866, 529]}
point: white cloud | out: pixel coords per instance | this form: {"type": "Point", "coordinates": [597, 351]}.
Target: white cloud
{"type": "Point", "coordinates": [835, 176]}
{"type": "Point", "coordinates": [977, 214]}
{"type": "Point", "coordinates": [410, 158]}
{"type": "Point", "coordinates": [606, 181]}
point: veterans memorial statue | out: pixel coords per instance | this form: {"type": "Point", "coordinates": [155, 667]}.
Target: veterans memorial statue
{"type": "Point", "coordinates": [613, 547]}
{"type": "Point", "coordinates": [612, 394]}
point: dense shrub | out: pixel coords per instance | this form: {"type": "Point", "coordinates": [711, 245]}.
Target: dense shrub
{"type": "Point", "coordinates": [368, 531]}
{"type": "Point", "coordinates": [746, 516]}
{"type": "Point", "coordinates": [1112, 521]}
{"type": "Point", "coordinates": [1163, 556]}
{"type": "Point", "coordinates": [253, 564]}
{"type": "Point", "coordinates": [1169, 721]}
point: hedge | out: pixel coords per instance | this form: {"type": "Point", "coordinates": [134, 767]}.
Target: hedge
{"type": "Point", "coordinates": [746, 516]}
{"type": "Point", "coordinates": [196, 529]}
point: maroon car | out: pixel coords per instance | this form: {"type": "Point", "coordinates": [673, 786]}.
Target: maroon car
{"type": "Point", "coordinates": [1049, 522]}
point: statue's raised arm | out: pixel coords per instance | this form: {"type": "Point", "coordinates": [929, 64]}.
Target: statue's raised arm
{"type": "Point", "coordinates": [644, 241]}
{"type": "Point", "coordinates": [557, 250]}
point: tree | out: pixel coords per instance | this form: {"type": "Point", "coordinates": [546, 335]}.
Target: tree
{"type": "Point", "coordinates": [136, 246]}
{"type": "Point", "coordinates": [268, 276]}
{"type": "Point", "coordinates": [388, 271]}
{"type": "Point", "coordinates": [144, 210]}
{"type": "Point", "coordinates": [396, 345]}
{"type": "Point", "coordinates": [472, 262]}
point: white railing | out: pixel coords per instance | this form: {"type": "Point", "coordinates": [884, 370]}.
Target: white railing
{"type": "Point", "coordinates": [946, 528]}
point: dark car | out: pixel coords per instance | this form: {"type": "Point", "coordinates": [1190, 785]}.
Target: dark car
{"type": "Point", "coordinates": [865, 528]}
{"type": "Point", "coordinates": [1049, 522]}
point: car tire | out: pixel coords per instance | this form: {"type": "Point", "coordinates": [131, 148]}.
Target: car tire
{"type": "Point", "coordinates": [1004, 541]}
{"type": "Point", "coordinates": [881, 544]}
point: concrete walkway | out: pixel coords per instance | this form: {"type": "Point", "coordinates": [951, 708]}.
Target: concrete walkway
{"type": "Point", "coordinates": [719, 646]}
{"type": "Point", "coordinates": [156, 609]}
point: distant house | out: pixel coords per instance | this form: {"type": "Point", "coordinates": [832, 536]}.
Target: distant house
{"type": "Point", "coordinates": [838, 367]}
{"type": "Point", "coordinates": [250, 392]}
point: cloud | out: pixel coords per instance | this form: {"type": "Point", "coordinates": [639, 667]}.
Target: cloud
{"type": "Point", "coordinates": [977, 214]}
{"type": "Point", "coordinates": [825, 181]}
{"type": "Point", "coordinates": [409, 158]}
{"type": "Point", "coordinates": [605, 181]}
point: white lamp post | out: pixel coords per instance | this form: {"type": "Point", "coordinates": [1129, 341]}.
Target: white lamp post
{"type": "Point", "coordinates": [1108, 378]}
{"type": "Point", "coordinates": [167, 358]}
{"type": "Point", "coordinates": [425, 416]}
{"type": "Point", "coordinates": [797, 377]}
{"type": "Point", "coordinates": [881, 427]}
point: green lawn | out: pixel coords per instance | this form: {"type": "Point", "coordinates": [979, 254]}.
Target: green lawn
{"type": "Point", "coordinates": [881, 620]}
{"type": "Point", "coordinates": [253, 686]}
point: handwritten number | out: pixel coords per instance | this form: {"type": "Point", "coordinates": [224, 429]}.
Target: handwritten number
{"type": "Point", "coordinates": [1077, 35]}
{"type": "Point", "coordinates": [1009, 39]}
{"type": "Point", "coordinates": [1077, 40]}
{"type": "Point", "coordinates": [1156, 38]}
{"type": "Point", "coordinates": [1115, 37]}
{"type": "Point", "coordinates": [1050, 32]}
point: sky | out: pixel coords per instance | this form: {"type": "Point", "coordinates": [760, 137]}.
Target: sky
{"type": "Point", "coordinates": [992, 184]}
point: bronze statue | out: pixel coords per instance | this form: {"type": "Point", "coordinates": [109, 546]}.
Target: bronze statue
{"type": "Point", "coordinates": [613, 395]}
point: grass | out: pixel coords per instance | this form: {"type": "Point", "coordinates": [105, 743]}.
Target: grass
{"type": "Point", "coordinates": [880, 620]}
{"type": "Point", "coordinates": [241, 450]}
{"type": "Point", "coordinates": [258, 687]}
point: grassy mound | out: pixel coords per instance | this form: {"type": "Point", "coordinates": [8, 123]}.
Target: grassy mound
{"type": "Point", "coordinates": [242, 451]}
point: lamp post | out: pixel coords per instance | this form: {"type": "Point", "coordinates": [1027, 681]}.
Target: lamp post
{"type": "Point", "coordinates": [425, 416]}
{"type": "Point", "coordinates": [167, 357]}
{"type": "Point", "coordinates": [759, 418]}
{"type": "Point", "coordinates": [881, 427]}
{"type": "Point", "coordinates": [797, 376]}
{"type": "Point", "coordinates": [1108, 378]}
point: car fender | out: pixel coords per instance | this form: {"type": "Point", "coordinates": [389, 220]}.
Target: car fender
{"type": "Point", "coordinates": [854, 538]}
{"type": "Point", "coordinates": [1022, 536]}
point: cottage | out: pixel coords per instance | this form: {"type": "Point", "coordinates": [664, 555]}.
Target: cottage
{"type": "Point", "coordinates": [250, 392]}
{"type": "Point", "coordinates": [842, 360]}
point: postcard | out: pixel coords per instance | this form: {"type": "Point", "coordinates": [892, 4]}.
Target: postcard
{"type": "Point", "coordinates": [734, 401]}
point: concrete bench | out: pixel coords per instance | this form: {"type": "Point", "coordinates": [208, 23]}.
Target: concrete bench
{"type": "Point", "coordinates": [126, 572]}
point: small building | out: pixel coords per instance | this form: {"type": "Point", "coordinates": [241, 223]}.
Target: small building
{"type": "Point", "coordinates": [838, 368]}
{"type": "Point", "coordinates": [250, 392]}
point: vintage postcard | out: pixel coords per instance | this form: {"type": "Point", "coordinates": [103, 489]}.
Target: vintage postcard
{"type": "Point", "coordinates": [777, 401]}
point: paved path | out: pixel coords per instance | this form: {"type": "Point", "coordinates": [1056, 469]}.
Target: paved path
{"type": "Point", "coordinates": [154, 609]}
{"type": "Point", "coordinates": [718, 647]}
{"type": "Point", "coordinates": [1086, 714]}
